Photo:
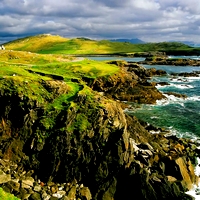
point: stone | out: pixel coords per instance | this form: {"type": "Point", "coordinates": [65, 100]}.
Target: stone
{"type": "Point", "coordinates": [65, 198]}
{"type": "Point", "coordinates": [171, 179]}
{"type": "Point", "coordinates": [14, 185]}
{"type": "Point", "coordinates": [4, 178]}
{"type": "Point", "coordinates": [54, 188]}
{"type": "Point", "coordinates": [28, 182]}
{"type": "Point", "coordinates": [72, 193]}
{"type": "Point", "coordinates": [45, 196]}
{"type": "Point", "coordinates": [37, 188]}
{"type": "Point", "coordinates": [35, 196]}
{"type": "Point", "coordinates": [85, 192]}
{"type": "Point", "coordinates": [59, 194]}
{"type": "Point", "coordinates": [186, 182]}
{"type": "Point", "coordinates": [54, 198]}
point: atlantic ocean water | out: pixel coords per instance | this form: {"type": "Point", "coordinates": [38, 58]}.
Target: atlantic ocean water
{"type": "Point", "coordinates": [179, 115]}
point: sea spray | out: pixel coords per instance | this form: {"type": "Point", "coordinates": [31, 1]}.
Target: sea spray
{"type": "Point", "coordinates": [195, 191]}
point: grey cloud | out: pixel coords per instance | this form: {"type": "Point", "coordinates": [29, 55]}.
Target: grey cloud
{"type": "Point", "coordinates": [147, 19]}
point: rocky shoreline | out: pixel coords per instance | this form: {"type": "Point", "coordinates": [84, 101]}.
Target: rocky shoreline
{"type": "Point", "coordinates": [91, 148]}
{"type": "Point", "coordinates": [164, 60]}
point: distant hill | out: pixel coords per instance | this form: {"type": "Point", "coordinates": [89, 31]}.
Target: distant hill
{"type": "Point", "coordinates": [133, 41]}
{"type": "Point", "coordinates": [189, 43]}
{"type": "Point", "coordinates": [192, 44]}
{"type": "Point", "coordinates": [55, 44]}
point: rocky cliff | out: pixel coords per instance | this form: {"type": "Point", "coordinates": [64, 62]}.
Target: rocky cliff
{"type": "Point", "coordinates": [87, 144]}
{"type": "Point", "coordinates": [164, 60]}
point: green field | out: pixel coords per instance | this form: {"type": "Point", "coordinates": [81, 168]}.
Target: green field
{"type": "Point", "coordinates": [22, 70]}
{"type": "Point", "coordinates": [54, 44]}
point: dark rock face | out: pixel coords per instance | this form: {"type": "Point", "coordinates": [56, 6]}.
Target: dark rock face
{"type": "Point", "coordinates": [130, 84]}
{"type": "Point", "coordinates": [188, 74]}
{"type": "Point", "coordinates": [93, 142]}
{"type": "Point", "coordinates": [163, 60]}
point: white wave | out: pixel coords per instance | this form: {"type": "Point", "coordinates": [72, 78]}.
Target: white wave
{"type": "Point", "coordinates": [195, 191]}
{"type": "Point", "coordinates": [179, 80]}
{"type": "Point", "coordinates": [171, 99]}
{"type": "Point", "coordinates": [180, 86]}
{"type": "Point", "coordinates": [194, 78]}
{"type": "Point", "coordinates": [179, 134]}
{"type": "Point", "coordinates": [183, 86]}
{"type": "Point", "coordinates": [194, 98]}
{"type": "Point", "coordinates": [154, 132]}
{"type": "Point", "coordinates": [154, 117]}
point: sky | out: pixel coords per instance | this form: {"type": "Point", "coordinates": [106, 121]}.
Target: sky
{"type": "Point", "coordinates": [148, 20]}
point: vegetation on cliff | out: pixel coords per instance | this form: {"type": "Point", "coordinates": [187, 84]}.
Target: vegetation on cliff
{"type": "Point", "coordinates": [61, 121]}
{"type": "Point", "coordinates": [6, 196]}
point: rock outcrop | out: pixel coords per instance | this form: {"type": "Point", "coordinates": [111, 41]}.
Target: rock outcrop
{"type": "Point", "coordinates": [130, 84]}
{"type": "Point", "coordinates": [89, 141]}
{"type": "Point", "coordinates": [163, 60]}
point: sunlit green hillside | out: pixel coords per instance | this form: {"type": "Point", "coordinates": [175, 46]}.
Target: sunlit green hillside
{"type": "Point", "coordinates": [54, 44]}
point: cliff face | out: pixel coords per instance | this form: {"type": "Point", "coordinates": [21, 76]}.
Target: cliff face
{"type": "Point", "coordinates": [91, 139]}
{"type": "Point", "coordinates": [130, 84]}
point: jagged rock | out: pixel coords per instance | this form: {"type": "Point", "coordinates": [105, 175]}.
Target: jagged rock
{"type": "Point", "coordinates": [72, 193]}
{"type": "Point", "coordinates": [35, 196]}
{"type": "Point", "coordinates": [85, 193]}
{"type": "Point", "coordinates": [37, 188]}
{"type": "Point", "coordinates": [4, 178]}
{"type": "Point", "coordinates": [59, 194]}
{"type": "Point", "coordinates": [187, 172]}
{"type": "Point", "coordinates": [27, 182]}
{"type": "Point", "coordinates": [130, 84]}
{"type": "Point", "coordinates": [13, 185]}
{"type": "Point", "coordinates": [171, 179]}
{"type": "Point", "coordinates": [166, 61]}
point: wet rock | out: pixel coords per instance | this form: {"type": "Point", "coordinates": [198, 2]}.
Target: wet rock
{"type": "Point", "coordinates": [85, 193]}
{"type": "Point", "coordinates": [187, 172]}
{"type": "Point", "coordinates": [27, 182]}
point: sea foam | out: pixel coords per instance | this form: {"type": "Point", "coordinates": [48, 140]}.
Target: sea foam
{"type": "Point", "coordinates": [171, 99]}
{"type": "Point", "coordinates": [180, 86]}
{"type": "Point", "coordinates": [195, 191]}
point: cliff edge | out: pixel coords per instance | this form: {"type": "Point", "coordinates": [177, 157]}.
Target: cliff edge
{"type": "Point", "coordinates": [85, 143]}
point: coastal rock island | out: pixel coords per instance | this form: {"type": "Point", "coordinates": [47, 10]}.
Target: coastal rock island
{"type": "Point", "coordinates": [69, 137]}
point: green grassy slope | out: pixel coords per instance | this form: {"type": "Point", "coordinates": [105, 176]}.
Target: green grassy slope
{"type": "Point", "coordinates": [51, 44]}
{"type": "Point", "coordinates": [33, 77]}
{"type": "Point", "coordinates": [31, 68]}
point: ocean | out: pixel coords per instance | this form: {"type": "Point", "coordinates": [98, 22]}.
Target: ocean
{"type": "Point", "coordinates": [180, 116]}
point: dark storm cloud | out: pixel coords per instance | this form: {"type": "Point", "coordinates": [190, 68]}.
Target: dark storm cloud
{"type": "Point", "coordinates": [150, 20]}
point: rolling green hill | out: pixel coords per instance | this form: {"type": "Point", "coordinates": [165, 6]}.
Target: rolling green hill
{"type": "Point", "coordinates": [54, 44]}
